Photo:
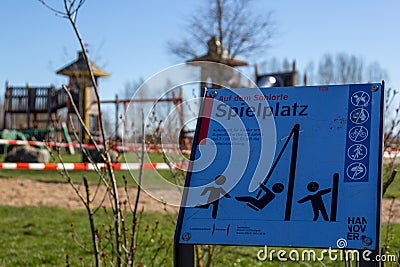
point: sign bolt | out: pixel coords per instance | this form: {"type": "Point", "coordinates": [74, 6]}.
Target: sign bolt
{"type": "Point", "coordinates": [213, 94]}
{"type": "Point", "coordinates": [374, 88]}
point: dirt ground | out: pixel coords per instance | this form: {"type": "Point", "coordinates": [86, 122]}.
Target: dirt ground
{"type": "Point", "coordinates": [25, 192]}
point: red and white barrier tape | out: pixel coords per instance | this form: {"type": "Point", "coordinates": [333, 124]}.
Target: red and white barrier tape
{"type": "Point", "coordinates": [38, 143]}
{"type": "Point", "coordinates": [87, 166]}
{"type": "Point", "coordinates": [391, 153]}
{"type": "Point", "coordinates": [116, 166]}
{"type": "Point", "coordinates": [131, 147]}
{"type": "Point", "coordinates": [394, 154]}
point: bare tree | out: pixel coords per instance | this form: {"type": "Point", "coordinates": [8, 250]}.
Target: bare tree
{"type": "Point", "coordinates": [375, 72]}
{"type": "Point", "coordinates": [116, 237]}
{"type": "Point", "coordinates": [345, 68]}
{"type": "Point", "coordinates": [107, 123]}
{"type": "Point", "coordinates": [349, 68]}
{"type": "Point", "coordinates": [233, 22]}
{"type": "Point", "coordinates": [70, 12]}
{"type": "Point", "coordinates": [326, 70]}
{"type": "Point", "coordinates": [130, 88]}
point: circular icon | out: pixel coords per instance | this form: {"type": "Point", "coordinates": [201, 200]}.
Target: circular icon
{"type": "Point", "coordinates": [186, 236]}
{"type": "Point", "coordinates": [360, 99]}
{"type": "Point", "coordinates": [341, 243]}
{"type": "Point", "coordinates": [356, 171]}
{"type": "Point", "coordinates": [359, 116]}
{"type": "Point", "coordinates": [357, 152]}
{"type": "Point", "coordinates": [358, 133]}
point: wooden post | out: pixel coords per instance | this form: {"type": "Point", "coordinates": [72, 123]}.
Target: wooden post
{"type": "Point", "coordinates": [116, 116]}
{"type": "Point", "coordinates": [125, 133]}
{"type": "Point", "coordinates": [5, 107]}
{"type": "Point", "coordinates": [86, 113]}
{"type": "Point", "coordinates": [28, 103]}
{"type": "Point", "coordinates": [81, 107]}
{"type": "Point", "coordinates": [294, 77]}
{"type": "Point", "coordinates": [183, 255]}
{"type": "Point", "coordinates": [48, 108]}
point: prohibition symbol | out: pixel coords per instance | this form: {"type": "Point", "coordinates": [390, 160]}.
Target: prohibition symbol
{"type": "Point", "coordinates": [357, 152]}
{"type": "Point", "coordinates": [360, 99]}
{"type": "Point", "coordinates": [359, 116]}
{"type": "Point", "coordinates": [356, 171]}
{"type": "Point", "coordinates": [358, 133]}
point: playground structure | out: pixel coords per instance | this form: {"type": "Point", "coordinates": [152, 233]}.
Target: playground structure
{"type": "Point", "coordinates": [176, 100]}
{"type": "Point", "coordinates": [32, 107]}
{"type": "Point", "coordinates": [40, 111]}
{"type": "Point", "coordinates": [82, 90]}
{"type": "Point", "coordinates": [217, 53]}
{"type": "Point", "coordinates": [47, 113]}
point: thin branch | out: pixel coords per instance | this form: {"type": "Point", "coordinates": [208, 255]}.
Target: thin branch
{"type": "Point", "coordinates": [81, 122]}
{"type": "Point", "coordinates": [134, 218]}
{"type": "Point", "coordinates": [91, 75]}
{"type": "Point", "coordinates": [96, 168]}
{"type": "Point", "coordinates": [56, 11]}
{"type": "Point", "coordinates": [93, 231]}
{"type": "Point", "coordinates": [66, 175]}
{"type": "Point", "coordinates": [388, 182]}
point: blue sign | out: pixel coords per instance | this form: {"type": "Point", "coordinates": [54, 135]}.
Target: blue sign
{"type": "Point", "coordinates": [294, 166]}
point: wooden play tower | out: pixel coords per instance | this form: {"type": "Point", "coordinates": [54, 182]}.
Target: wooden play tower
{"type": "Point", "coordinates": [27, 107]}
{"type": "Point", "coordinates": [82, 91]}
{"type": "Point", "coordinates": [217, 53]}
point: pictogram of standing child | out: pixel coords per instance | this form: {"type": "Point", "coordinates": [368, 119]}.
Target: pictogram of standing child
{"type": "Point", "coordinates": [215, 194]}
{"type": "Point", "coordinates": [317, 202]}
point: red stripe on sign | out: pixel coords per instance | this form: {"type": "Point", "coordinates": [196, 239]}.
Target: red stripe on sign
{"type": "Point", "coordinates": [205, 121]}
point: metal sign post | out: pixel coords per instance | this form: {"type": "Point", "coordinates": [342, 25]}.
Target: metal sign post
{"type": "Point", "coordinates": [288, 167]}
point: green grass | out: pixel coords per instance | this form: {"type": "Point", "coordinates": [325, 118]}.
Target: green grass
{"type": "Point", "coordinates": [34, 237]}
{"type": "Point", "coordinates": [394, 188]}
{"type": "Point", "coordinates": [42, 236]}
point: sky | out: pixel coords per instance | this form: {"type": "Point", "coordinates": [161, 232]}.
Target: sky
{"type": "Point", "coordinates": [128, 38]}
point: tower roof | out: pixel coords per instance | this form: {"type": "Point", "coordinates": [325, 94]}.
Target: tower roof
{"type": "Point", "coordinates": [218, 53]}
{"type": "Point", "coordinates": [79, 66]}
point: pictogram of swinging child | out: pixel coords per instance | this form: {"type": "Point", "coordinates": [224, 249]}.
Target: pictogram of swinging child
{"type": "Point", "coordinates": [257, 203]}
